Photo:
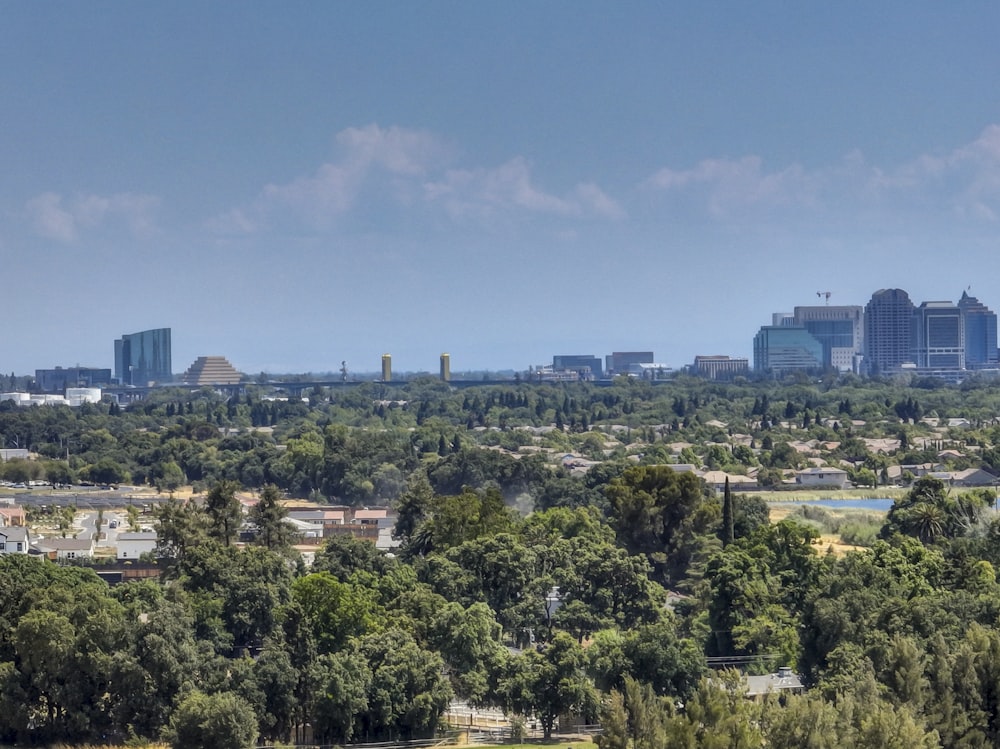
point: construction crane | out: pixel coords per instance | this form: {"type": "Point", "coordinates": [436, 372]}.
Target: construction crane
{"type": "Point", "coordinates": [826, 294]}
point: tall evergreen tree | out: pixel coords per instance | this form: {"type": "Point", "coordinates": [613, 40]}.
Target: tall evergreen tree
{"type": "Point", "coordinates": [728, 516]}
{"type": "Point", "coordinates": [269, 516]}
{"type": "Point", "coordinates": [224, 511]}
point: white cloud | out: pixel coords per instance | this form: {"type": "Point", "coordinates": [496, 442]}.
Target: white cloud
{"type": "Point", "coordinates": [596, 201]}
{"type": "Point", "coordinates": [736, 185]}
{"type": "Point", "coordinates": [334, 188]}
{"type": "Point", "coordinates": [54, 217]}
{"type": "Point", "coordinates": [965, 182]}
{"type": "Point", "coordinates": [409, 168]}
{"type": "Point", "coordinates": [395, 149]}
{"type": "Point", "coordinates": [50, 219]}
{"type": "Point", "coordinates": [510, 187]}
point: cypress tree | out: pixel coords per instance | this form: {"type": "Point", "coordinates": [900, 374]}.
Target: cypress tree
{"type": "Point", "coordinates": [728, 519]}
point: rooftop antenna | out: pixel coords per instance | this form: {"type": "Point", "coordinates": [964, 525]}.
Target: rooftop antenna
{"type": "Point", "coordinates": [826, 294]}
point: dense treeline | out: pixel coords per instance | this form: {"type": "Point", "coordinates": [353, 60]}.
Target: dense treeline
{"type": "Point", "coordinates": [564, 611]}
{"type": "Point", "coordinates": [607, 600]}
{"type": "Point", "coordinates": [360, 445]}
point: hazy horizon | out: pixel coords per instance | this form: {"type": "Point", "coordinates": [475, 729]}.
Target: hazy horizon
{"type": "Point", "coordinates": [290, 187]}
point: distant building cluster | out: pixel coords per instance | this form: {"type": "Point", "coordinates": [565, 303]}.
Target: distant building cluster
{"type": "Point", "coordinates": [889, 335]}
{"type": "Point", "coordinates": [142, 360]}
{"type": "Point", "coordinates": [74, 397]}
{"type": "Point", "coordinates": [587, 367]}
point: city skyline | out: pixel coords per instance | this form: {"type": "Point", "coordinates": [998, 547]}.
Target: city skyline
{"type": "Point", "coordinates": [291, 188]}
{"type": "Point", "coordinates": [811, 315]}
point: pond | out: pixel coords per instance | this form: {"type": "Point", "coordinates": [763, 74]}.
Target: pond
{"type": "Point", "coordinates": [874, 504]}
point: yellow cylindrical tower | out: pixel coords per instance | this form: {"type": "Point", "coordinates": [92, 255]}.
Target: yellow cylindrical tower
{"type": "Point", "coordinates": [446, 367]}
{"type": "Point", "coordinates": [386, 367]}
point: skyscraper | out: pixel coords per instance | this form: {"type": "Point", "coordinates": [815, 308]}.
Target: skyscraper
{"type": "Point", "coordinates": [782, 348]}
{"type": "Point", "coordinates": [938, 336]}
{"type": "Point", "coordinates": [143, 358]}
{"type": "Point", "coordinates": [888, 330]}
{"type": "Point", "coordinates": [840, 329]}
{"type": "Point", "coordinates": [980, 333]}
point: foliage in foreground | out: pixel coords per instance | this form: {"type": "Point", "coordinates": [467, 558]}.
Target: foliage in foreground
{"type": "Point", "coordinates": [563, 611]}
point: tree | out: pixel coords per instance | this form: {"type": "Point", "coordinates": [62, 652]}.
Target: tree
{"type": "Point", "coordinates": [342, 556]}
{"type": "Point", "coordinates": [179, 526]}
{"type": "Point", "coordinates": [158, 662]}
{"type": "Point", "coordinates": [170, 478]}
{"type": "Point", "coordinates": [469, 641]}
{"type": "Point", "coordinates": [657, 655]}
{"type": "Point", "coordinates": [636, 718]}
{"type": "Point", "coordinates": [408, 692]}
{"type": "Point", "coordinates": [268, 516]}
{"type": "Point", "coordinates": [337, 611]}
{"type": "Point", "coordinates": [224, 511]}
{"type": "Point", "coordinates": [929, 513]}
{"type": "Point", "coordinates": [413, 506]}
{"type": "Point", "coordinates": [728, 516]}
{"type": "Point", "coordinates": [106, 471]}
{"type": "Point", "coordinates": [274, 681]}
{"type": "Point", "coordinates": [236, 593]}
{"type": "Point", "coordinates": [345, 681]}
{"type": "Point", "coordinates": [661, 513]}
{"type": "Point", "coordinates": [614, 723]}
{"type": "Point", "coordinates": [216, 721]}
{"type": "Point", "coordinates": [549, 683]}
{"type": "Point", "coordinates": [470, 515]}
{"type": "Point", "coordinates": [803, 722]}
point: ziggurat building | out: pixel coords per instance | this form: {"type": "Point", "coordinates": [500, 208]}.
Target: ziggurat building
{"type": "Point", "coordinates": [211, 370]}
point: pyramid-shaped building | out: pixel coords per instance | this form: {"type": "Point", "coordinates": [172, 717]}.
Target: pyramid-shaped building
{"type": "Point", "coordinates": [211, 370]}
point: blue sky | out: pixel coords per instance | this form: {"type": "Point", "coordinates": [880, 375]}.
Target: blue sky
{"type": "Point", "coordinates": [295, 184]}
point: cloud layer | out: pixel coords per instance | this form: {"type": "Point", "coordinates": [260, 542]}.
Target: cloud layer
{"type": "Point", "coordinates": [964, 183]}
{"type": "Point", "coordinates": [411, 169]}
{"type": "Point", "coordinates": [64, 219]}
{"type": "Point", "coordinates": [388, 171]}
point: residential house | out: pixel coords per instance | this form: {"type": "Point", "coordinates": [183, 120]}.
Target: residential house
{"type": "Point", "coordinates": [12, 515]}
{"type": "Point", "coordinates": [14, 540]}
{"type": "Point", "coordinates": [370, 517]}
{"type": "Point", "coordinates": [64, 549]}
{"type": "Point", "coordinates": [785, 680]}
{"type": "Point", "coordinates": [972, 477]}
{"type": "Point", "coordinates": [132, 545]}
{"type": "Point", "coordinates": [737, 483]}
{"type": "Point", "coordinates": [319, 518]}
{"type": "Point", "coordinates": [826, 477]}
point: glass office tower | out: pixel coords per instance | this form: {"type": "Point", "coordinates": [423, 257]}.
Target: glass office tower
{"type": "Point", "coordinates": [143, 358]}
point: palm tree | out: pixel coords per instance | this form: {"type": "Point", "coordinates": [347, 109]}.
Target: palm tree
{"type": "Point", "coordinates": [925, 520]}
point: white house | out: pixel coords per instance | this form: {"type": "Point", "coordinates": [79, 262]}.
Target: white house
{"type": "Point", "coordinates": [717, 481]}
{"type": "Point", "coordinates": [370, 517]}
{"type": "Point", "coordinates": [14, 540]}
{"type": "Point", "coordinates": [317, 517]}
{"type": "Point", "coordinates": [827, 477]}
{"type": "Point", "coordinates": [67, 548]}
{"type": "Point", "coordinates": [134, 545]}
